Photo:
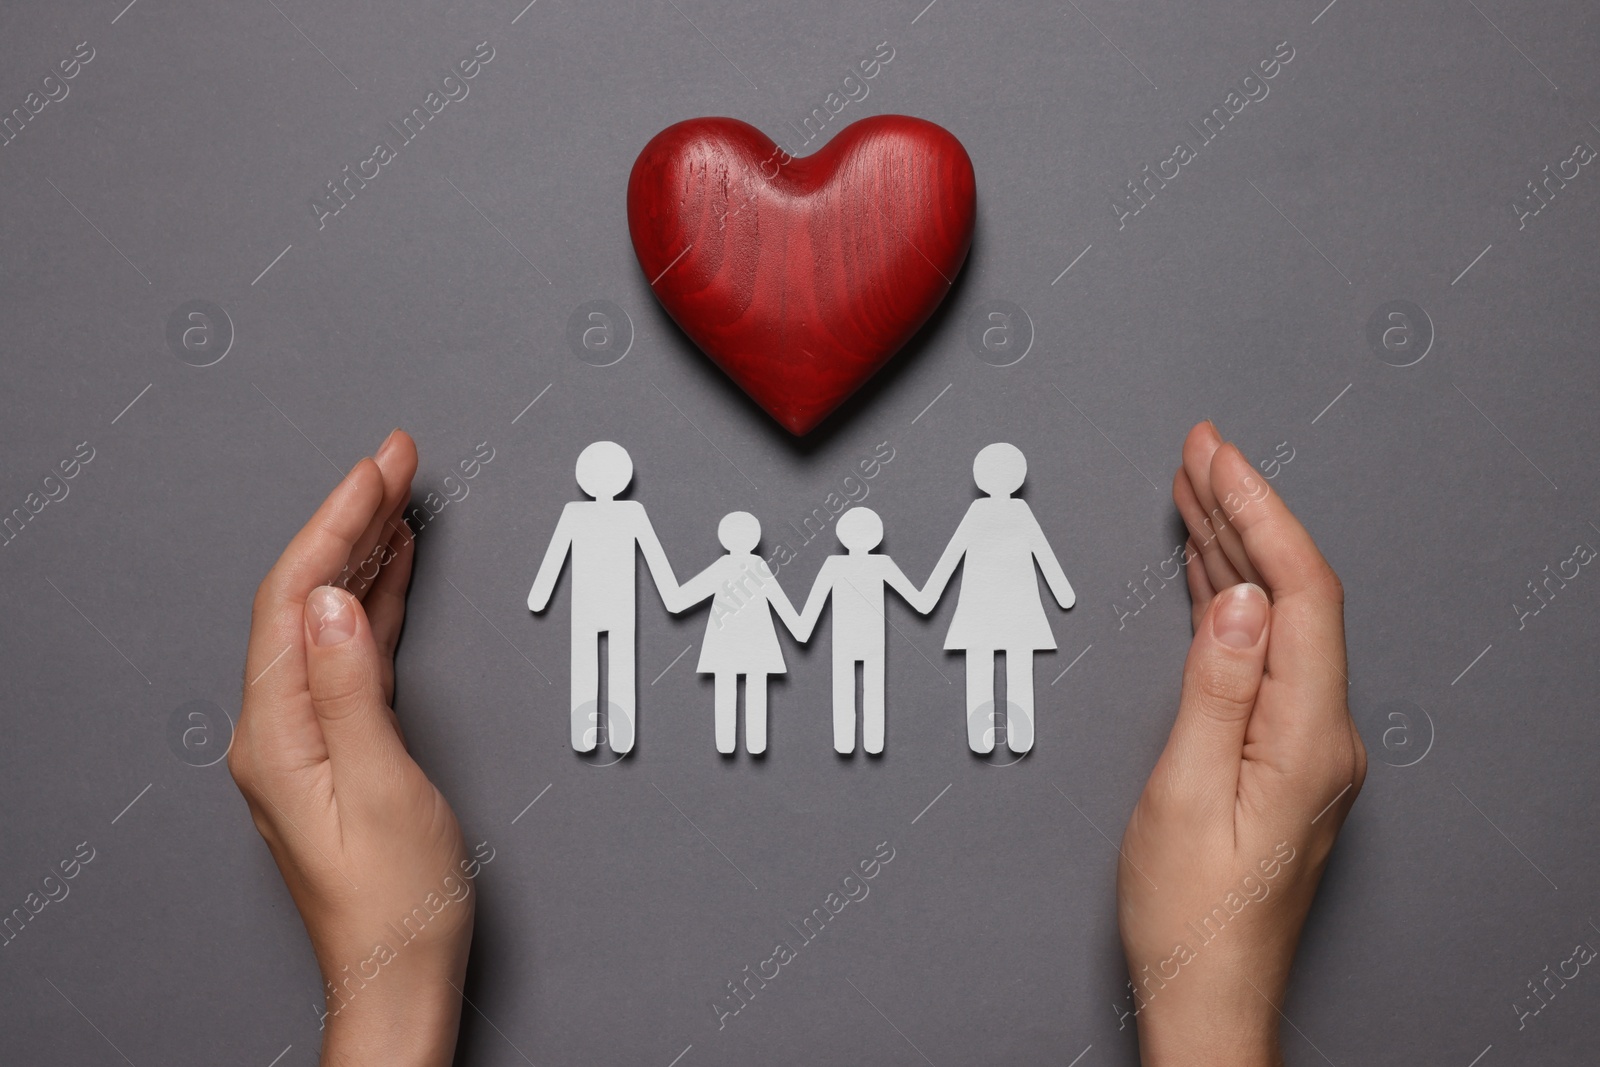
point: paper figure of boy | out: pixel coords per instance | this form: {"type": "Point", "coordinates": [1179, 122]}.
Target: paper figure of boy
{"type": "Point", "coordinates": [602, 536]}
{"type": "Point", "coordinates": [740, 638]}
{"type": "Point", "coordinates": [855, 581]}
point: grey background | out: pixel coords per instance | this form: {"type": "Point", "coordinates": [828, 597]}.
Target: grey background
{"type": "Point", "coordinates": [1384, 160]}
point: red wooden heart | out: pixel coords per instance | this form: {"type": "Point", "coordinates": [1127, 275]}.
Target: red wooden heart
{"type": "Point", "coordinates": [801, 277]}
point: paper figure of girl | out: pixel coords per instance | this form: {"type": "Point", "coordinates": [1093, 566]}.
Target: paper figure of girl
{"type": "Point", "coordinates": [999, 608]}
{"type": "Point", "coordinates": [740, 638]}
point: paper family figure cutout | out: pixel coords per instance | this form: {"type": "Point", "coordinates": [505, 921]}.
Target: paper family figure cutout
{"type": "Point", "coordinates": [740, 638]}
{"type": "Point", "coordinates": [998, 544]}
{"type": "Point", "coordinates": [602, 535]}
{"type": "Point", "coordinates": [855, 582]}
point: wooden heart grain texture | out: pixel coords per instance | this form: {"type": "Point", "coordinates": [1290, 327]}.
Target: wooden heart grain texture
{"type": "Point", "coordinates": [801, 277]}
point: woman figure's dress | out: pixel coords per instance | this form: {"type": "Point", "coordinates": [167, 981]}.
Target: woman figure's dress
{"type": "Point", "coordinates": [999, 606]}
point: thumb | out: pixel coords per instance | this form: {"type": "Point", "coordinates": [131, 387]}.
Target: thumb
{"type": "Point", "coordinates": [1220, 681]}
{"type": "Point", "coordinates": [344, 675]}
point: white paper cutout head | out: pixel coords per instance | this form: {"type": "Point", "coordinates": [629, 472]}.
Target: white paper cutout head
{"type": "Point", "coordinates": [604, 470]}
{"type": "Point", "coordinates": [739, 531]}
{"type": "Point", "coordinates": [999, 469]}
{"type": "Point", "coordinates": [859, 530]}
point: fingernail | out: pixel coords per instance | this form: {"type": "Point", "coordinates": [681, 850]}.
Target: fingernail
{"type": "Point", "coordinates": [1240, 618]}
{"type": "Point", "coordinates": [387, 446]}
{"type": "Point", "coordinates": [1216, 434]}
{"type": "Point", "coordinates": [329, 616]}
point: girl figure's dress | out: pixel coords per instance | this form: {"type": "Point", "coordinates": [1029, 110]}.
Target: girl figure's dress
{"type": "Point", "coordinates": [740, 637]}
{"type": "Point", "coordinates": [740, 629]}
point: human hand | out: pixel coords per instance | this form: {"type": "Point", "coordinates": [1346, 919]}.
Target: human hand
{"type": "Point", "coordinates": [369, 849]}
{"type": "Point", "coordinates": [1224, 850]}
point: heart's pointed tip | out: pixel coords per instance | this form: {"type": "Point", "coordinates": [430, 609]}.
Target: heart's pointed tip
{"type": "Point", "coordinates": [798, 425]}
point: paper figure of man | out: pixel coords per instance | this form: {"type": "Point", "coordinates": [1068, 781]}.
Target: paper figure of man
{"type": "Point", "coordinates": [855, 581]}
{"type": "Point", "coordinates": [602, 536]}
{"type": "Point", "coordinates": [999, 609]}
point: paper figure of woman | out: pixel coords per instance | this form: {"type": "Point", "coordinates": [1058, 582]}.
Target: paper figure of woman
{"type": "Point", "coordinates": [999, 607]}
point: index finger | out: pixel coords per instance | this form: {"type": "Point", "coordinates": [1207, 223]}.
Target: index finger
{"type": "Point", "coordinates": [1306, 593]}
{"type": "Point", "coordinates": [314, 557]}
{"type": "Point", "coordinates": [1279, 546]}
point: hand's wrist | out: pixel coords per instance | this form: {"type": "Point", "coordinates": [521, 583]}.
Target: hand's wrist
{"type": "Point", "coordinates": [391, 992]}
{"type": "Point", "coordinates": [1209, 1031]}
{"type": "Point", "coordinates": [400, 1007]}
{"type": "Point", "coordinates": [1175, 1042]}
{"type": "Point", "coordinates": [411, 1022]}
{"type": "Point", "coordinates": [1214, 1013]}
